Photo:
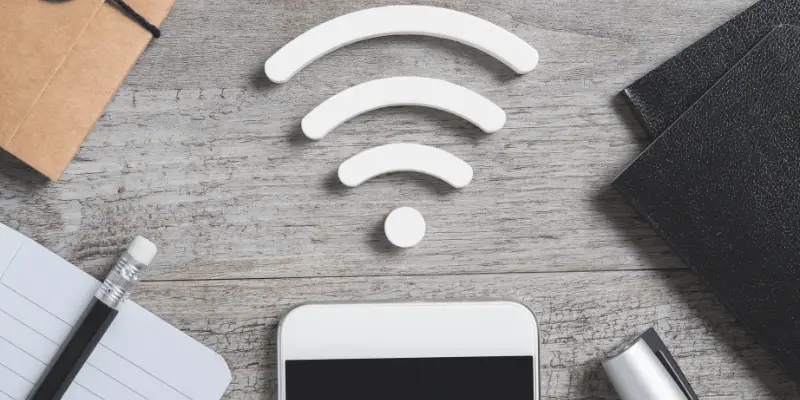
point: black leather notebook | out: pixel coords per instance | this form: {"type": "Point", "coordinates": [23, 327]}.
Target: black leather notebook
{"type": "Point", "coordinates": [722, 187]}
{"type": "Point", "coordinates": [660, 97]}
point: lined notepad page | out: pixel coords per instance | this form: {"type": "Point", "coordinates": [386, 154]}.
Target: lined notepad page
{"type": "Point", "coordinates": [141, 357]}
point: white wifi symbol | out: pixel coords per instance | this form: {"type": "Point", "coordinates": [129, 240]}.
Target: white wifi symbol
{"type": "Point", "coordinates": [405, 226]}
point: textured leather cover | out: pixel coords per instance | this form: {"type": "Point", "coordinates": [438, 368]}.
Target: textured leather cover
{"type": "Point", "coordinates": [661, 96]}
{"type": "Point", "coordinates": [722, 187]}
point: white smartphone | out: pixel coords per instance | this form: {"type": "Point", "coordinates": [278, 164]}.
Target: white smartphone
{"type": "Point", "coordinates": [484, 350]}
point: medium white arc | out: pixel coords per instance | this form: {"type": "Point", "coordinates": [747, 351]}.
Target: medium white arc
{"type": "Point", "coordinates": [405, 157]}
{"type": "Point", "coordinates": [400, 20]}
{"type": "Point", "coordinates": [403, 91]}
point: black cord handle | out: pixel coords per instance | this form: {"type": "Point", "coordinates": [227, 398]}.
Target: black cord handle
{"type": "Point", "coordinates": [138, 18]}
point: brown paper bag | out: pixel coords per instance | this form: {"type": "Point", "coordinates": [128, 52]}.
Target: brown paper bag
{"type": "Point", "coordinates": [60, 64]}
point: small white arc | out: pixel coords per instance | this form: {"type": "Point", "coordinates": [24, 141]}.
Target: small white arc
{"type": "Point", "coordinates": [403, 91]}
{"type": "Point", "coordinates": [400, 20]}
{"type": "Point", "coordinates": [405, 157]}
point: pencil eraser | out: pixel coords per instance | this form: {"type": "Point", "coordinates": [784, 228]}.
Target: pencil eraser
{"type": "Point", "coordinates": [142, 250]}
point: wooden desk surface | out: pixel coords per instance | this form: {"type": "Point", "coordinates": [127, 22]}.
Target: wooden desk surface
{"type": "Point", "coordinates": [200, 153]}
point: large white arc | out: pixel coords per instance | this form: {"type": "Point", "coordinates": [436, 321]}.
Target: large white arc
{"type": "Point", "coordinates": [400, 20]}
{"type": "Point", "coordinates": [405, 157]}
{"type": "Point", "coordinates": [403, 91]}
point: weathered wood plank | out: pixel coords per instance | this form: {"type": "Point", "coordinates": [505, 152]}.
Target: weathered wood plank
{"type": "Point", "coordinates": [227, 194]}
{"type": "Point", "coordinates": [582, 316]}
{"type": "Point", "coordinates": [201, 153]}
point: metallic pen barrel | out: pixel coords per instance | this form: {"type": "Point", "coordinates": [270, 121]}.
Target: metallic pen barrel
{"type": "Point", "coordinates": [637, 374]}
{"type": "Point", "coordinates": [645, 370]}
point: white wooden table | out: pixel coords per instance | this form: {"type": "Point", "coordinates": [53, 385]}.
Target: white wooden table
{"type": "Point", "coordinates": [200, 153]}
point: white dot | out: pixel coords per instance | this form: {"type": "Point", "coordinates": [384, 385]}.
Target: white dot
{"type": "Point", "coordinates": [404, 227]}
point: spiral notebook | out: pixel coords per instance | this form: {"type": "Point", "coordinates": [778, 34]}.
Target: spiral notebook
{"type": "Point", "coordinates": [141, 357]}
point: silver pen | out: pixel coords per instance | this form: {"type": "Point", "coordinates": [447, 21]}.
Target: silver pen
{"type": "Point", "coordinates": [645, 370]}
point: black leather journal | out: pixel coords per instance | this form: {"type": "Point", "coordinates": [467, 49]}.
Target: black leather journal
{"type": "Point", "coordinates": [722, 187]}
{"type": "Point", "coordinates": [660, 97]}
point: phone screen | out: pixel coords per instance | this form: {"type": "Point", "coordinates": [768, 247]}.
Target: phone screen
{"type": "Point", "coordinates": [461, 378]}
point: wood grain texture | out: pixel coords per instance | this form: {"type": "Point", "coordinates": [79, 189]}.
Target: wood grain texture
{"type": "Point", "coordinates": [582, 316]}
{"type": "Point", "coordinates": [199, 152]}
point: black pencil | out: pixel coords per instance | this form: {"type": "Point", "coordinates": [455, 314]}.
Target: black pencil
{"type": "Point", "coordinates": [94, 323]}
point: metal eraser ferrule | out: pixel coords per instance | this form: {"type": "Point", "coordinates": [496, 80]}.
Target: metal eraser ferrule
{"type": "Point", "coordinates": [120, 282]}
{"type": "Point", "coordinates": [127, 272]}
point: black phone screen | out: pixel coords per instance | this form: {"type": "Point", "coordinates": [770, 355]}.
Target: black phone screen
{"type": "Point", "coordinates": [460, 378]}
